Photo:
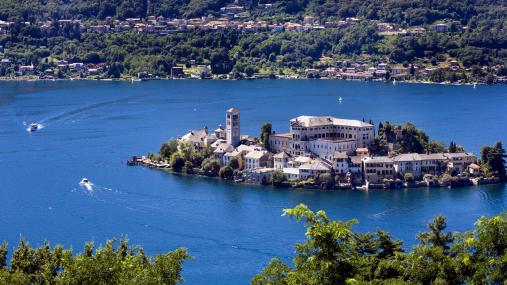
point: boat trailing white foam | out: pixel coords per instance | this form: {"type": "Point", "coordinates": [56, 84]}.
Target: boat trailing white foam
{"type": "Point", "coordinates": [86, 184]}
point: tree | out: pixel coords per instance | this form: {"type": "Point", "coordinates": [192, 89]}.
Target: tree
{"type": "Point", "coordinates": [486, 247]}
{"type": "Point", "coordinates": [211, 166]}
{"type": "Point", "coordinates": [168, 148]}
{"type": "Point", "coordinates": [453, 147]}
{"type": "Point", "coordinates": [111, 264]}
{"type": "Point", "coordinates": [494, 157]}
{"type": "Point", "coordinates": [408, 177]}
{"type": "Point", "coordinates": [436, 237]}
{"type": "Point", "coordinates": [264, 135]}
{"type": "Point", "coordinates": [324, 258]}
{"type": "Point", "coordinates": [3, 256]}
{"type": "Point", "coordinates": [177, 161]}
{"type": "Point", "coordinates": [115, 70]}
{"type": "Point", "coordinates": [233, 163]}
{"type": "Point", "coordinates": [274, 274]}
{"type": "Point", "coordinates": [226, 172]}
{"type": "Point", "coordinates": [277, 178]}
{"type": "Point", "coordinates": [326, 180]}
{"type": "Point", "coordinates": [249, 70]}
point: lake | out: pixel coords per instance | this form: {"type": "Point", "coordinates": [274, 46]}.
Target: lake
{"type": "Point", "coordinates": [91, 128]}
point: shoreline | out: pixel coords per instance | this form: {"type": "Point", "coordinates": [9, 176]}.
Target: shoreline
{"type": "Point", "coordinates": [225, 79]}
{"type": "Point", "coordinates": [376, 187]}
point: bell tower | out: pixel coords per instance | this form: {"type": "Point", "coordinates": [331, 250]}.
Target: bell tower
{"type": "Point", "coordinates": [232, 127]}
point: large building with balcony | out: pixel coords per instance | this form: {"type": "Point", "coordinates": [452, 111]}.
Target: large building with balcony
{"type": "Point", "coordinates": [322, 136]}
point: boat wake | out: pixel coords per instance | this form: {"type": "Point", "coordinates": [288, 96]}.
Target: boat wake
{"type": "Point", "coordinates": [387, 213]}
{"type": "Point", "coordinates": [86, 184]}
{"type": "Point", "coordinates": [67, 114]}
{"type": "Point", "coordinates": [33, 126]}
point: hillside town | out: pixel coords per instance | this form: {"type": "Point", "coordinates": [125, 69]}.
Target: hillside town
{"type": "Point", "coordinates": [231, 19]}
{"type": "Point", "coordinates": [324, 146]}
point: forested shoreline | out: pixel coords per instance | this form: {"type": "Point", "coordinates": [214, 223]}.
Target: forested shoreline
{"type": "Point", "coordinates": [472, 48]}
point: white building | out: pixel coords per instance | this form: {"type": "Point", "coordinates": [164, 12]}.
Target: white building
{"type": "Point", "coordinates": [281, 160]}
{"type": "Point", "coordinates": [419, 164]}
{"type": "Point", "coordinates": [460, 161]}
{"type": "Point", "coordinates": [199, 138]}
{"type": "Point", "coordinates": [323, 136]}
{"type": "Point", "coordinates": [341, 162]}
{"type": "Point", "coordinates": [313, 168]}
{"type": "Point", "coordinates": [257, 159]}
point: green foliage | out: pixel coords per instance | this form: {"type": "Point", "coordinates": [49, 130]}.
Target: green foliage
{"type": "Point", "coordinates": [483, 42]}
{"type": "Point", "coordinates": [273, 274]}
{"type": "Point", "coordinates": [177, 161]}
{"type": "Point", "coordinates": [211, 166]}
{"type": "Point", "coordinates": [408, 177]}
{"type": "Point", "coordinates": [109, 264]}
{"type": "Point", "coordinates": [405, 138]}
{"type": "Point", "coordinates": [3, 256]}
{"type": "Point", "coordinates": [277, 178]}
{"type": "Point", "coordinates": [453, 147]}
{"type": "Point", "coordinates": [326, 180]}
{"type": "Point", "coordinates": [493, 157]}
{"type": "Point", "coordinates": [233, 163]}
{"type": "Point", "coordinates": [226, 172]}
{"type": "Point", "coordinates": [334, 254]}
{"type": "Point", "coordinates": [266, 130]}
{"type": "Point", "coordinates": [168, 148]}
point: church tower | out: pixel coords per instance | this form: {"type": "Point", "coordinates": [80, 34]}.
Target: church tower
{"type": "Point", "coordinates": [232, 127]}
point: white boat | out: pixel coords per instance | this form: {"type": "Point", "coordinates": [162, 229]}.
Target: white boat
{"type": "Point", "coordinates": [33, 127]}
{"type": "Point", "coordinates": [475, 85]}
{"type": "Point", "coordinates": [340, 99]}
{"type": "Point", "coordinates": [394, 81]}
{"type": "Point", "coordinates": [86, 184]}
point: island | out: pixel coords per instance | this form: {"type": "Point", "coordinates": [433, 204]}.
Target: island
{"type": "Point", "coordinates": [324, 152]}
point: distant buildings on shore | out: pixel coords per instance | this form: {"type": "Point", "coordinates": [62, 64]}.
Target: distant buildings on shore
{"type": "Point", "coordinates": [322, 144]}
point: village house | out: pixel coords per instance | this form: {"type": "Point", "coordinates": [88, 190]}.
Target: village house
{"type": "Point", "coordinates": [376, 169]}
{"type": "Point", "coordinates": [5, 62]}
{"type": "Point", "coordinates": [341, 162]}
{"type": "Point", "coordinates": [26, 69]}
{"type": "Point", "coordinates": [474, 169]}
{"type": "Point", "coordinates": [441, 28]}
{"type": "Point", "coordinates": [259, 175]}
{"type": "Point", "coordinates": [258, 159]}
{"type": "Point", "coordinates": [460, 161]}
{"type": "Point", "coordinates": [199, 138]}
{"type": "Point", "coordinates": [281, 160]}
{"type": "Point", "coordinates": [313, 168]}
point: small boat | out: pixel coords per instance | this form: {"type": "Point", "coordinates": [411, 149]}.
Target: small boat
{"type": "Point", "coordinates": [33, 127]}
{"type": "Point", "coordinates": [394, 81]}
{"type": "Point", "coordinates": [86, 184]}
{"type": "Point", "coordinates": [475, 85]}
{"type": "Point", "coordinates": [340, 99]}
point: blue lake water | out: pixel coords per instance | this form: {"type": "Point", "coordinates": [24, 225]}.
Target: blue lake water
{"type": "Point", "coordinates": [92, 128]}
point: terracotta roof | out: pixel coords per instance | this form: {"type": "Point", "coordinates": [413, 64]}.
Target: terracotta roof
{"type": "Point", "coordinates": [283, 135]}
{"type": "Point", "coordinates": [474, 166]}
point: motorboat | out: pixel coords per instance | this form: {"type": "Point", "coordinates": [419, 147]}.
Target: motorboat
{"type": "Point", "coordinates": [86, 184]}
{"type": "Point", "coordinates": [33, 127]}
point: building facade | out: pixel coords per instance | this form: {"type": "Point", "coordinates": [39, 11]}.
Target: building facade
{"type": "Point", "coordinates": [323, 136]}
{"type": "Point", "coordinates": [376, 169]}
